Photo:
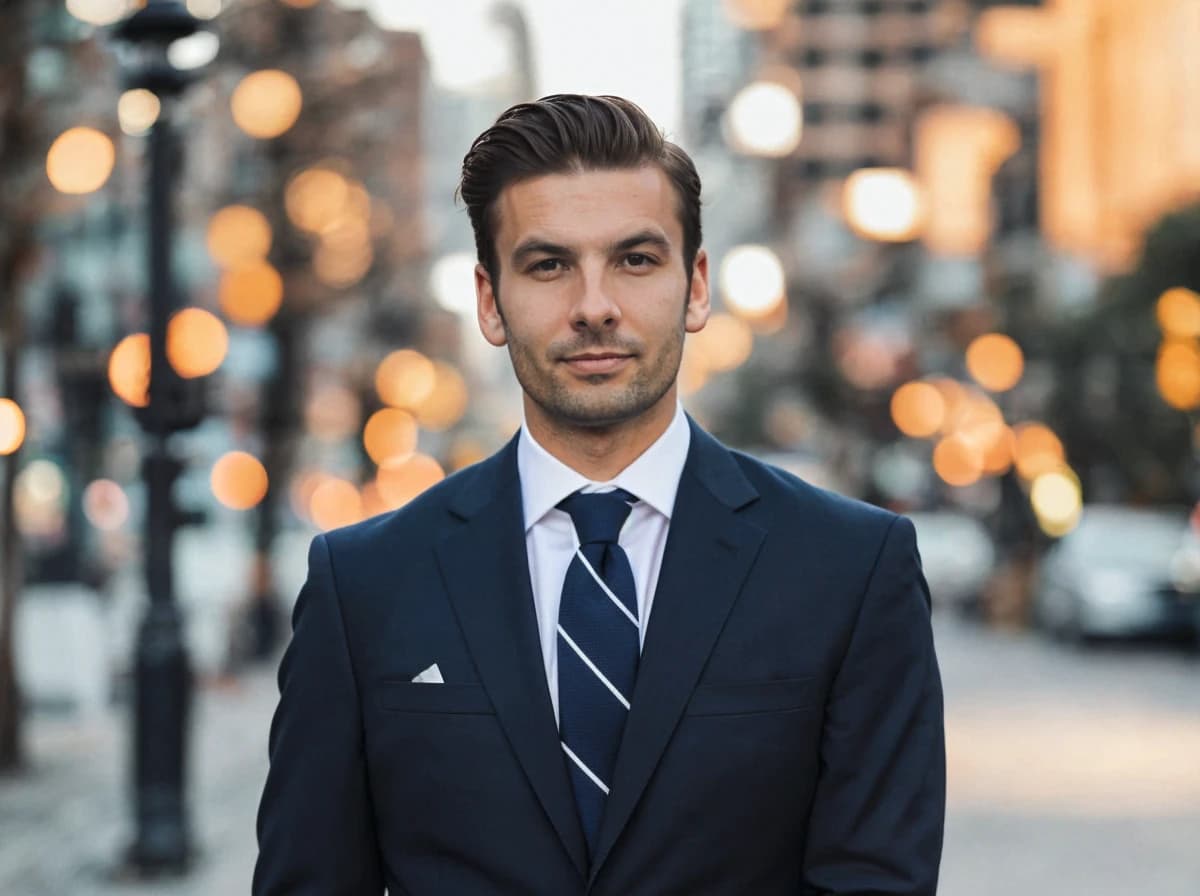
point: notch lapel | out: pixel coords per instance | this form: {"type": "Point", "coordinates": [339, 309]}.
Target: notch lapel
{"type": "Point", "coordinates": [709, 552]}
{"type": "Point", "coordinates": [486, 571]}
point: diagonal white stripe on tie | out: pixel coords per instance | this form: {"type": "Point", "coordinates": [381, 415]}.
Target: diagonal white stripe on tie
{"type": "Point", "coordinates": [599, 581]}
{"type": "Point", "coordinates": [583, 768]}
{"type": "Point", "coordinates": [587, 662]}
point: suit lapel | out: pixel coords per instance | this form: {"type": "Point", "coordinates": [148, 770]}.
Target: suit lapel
{"type": "Point", "coordinates": [486, 570]}
{"type": "Point", "coordinates": [709, 552]}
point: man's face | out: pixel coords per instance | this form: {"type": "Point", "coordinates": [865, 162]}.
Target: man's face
{"type": "Point", "coordinates": [594, 299]}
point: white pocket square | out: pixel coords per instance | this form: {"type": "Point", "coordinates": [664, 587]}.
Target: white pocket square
{"type": "Point", "coordinates": [432, 675]}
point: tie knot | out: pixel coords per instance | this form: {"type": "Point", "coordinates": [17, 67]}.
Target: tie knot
{"type": "Point", "coordinates": [598, 516]}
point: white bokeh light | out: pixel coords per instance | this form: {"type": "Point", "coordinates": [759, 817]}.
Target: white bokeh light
{"type": "Point", "coordinates": [765, 119]}
{"type": "Point", "coordinates": [752, 280]}
{"type": "Point", "coordinates": [194, 51]}
{"type": "Point", "coordinates": [453, 282]}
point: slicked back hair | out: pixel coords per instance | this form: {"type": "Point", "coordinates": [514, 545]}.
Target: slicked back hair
{"type": "Point", "coordinates": [564, 133]}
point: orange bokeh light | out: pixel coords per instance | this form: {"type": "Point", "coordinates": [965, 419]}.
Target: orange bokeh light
{"type": "Point", "coordinates": [958, 460]}
{"type": "Point", "coordinates": [239, 480]}
{"type": "Point", "coordinates": [335, 503]}
{"type": "Point", "coordinates": [1038, 450]}
{"type": "Point", "coordinates": [995, 361]}
{"type": "Point", "coordinates": [197, 342]}
{"type": "Point", "coordinates": [1178, 312]}
{"type": "Point", "coordinates": [129, 370]}
{"type": "Point", "coordinates": [12, 426]}
{"type": "Point", "coordinates": [1177, 373]}
{"type": "Point", "coordinates": [238, 235]}
{"type": "Point", "coordinates": [447, 403]}
{"type": "Point", "coordinates": [266, 103]}
{"type": "Point", "coordinates": [80, 161]}
{"type": "Point", "coordinates": [405, 378]}
{"type": "Point", "coordinates": [251, 293]}
{"type": "Point", "coordinates": [390, 433]}
{"type": "Point", "coordinates": [918, 409]}
{"type": "Point", "coordinates": [401, 480]}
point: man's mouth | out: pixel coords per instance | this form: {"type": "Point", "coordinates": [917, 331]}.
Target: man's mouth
{"type": "Point", "coordinates": [596, 362]}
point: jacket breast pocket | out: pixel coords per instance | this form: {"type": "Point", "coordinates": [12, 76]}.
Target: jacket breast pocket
{"type": "Point", "coordinates": [753, 697]}
{"type": "Point", "coordinates": [447, 698]}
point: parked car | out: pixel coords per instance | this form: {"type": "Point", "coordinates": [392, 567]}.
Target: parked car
{"type": "Point", "coordinates": [957, 556]}
{"type": "Point", "coordinates": [1112, 576]}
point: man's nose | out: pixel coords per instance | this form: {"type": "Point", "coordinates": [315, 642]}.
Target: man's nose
{"type": "Point", "coordinates": [594, 307]}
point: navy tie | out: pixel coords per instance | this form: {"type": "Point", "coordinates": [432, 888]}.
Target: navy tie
{"type": "Point", "coordinates": [598, 648]}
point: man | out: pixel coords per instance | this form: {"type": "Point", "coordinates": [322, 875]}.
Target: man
{"type": "Point", "coordinates": [615, 657]}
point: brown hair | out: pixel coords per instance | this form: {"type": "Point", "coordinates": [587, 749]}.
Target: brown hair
{"type": "Point", "coordinates": [570, 132]}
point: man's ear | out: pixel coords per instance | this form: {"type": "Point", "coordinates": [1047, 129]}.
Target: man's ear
{"type": "Point", "coordinates": [698, 304]}
{"type": "Point", "coordinates": [487, 308]}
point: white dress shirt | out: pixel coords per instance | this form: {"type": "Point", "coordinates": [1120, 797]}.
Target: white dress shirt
{"type": "Point", "coordinates": [550, 539]}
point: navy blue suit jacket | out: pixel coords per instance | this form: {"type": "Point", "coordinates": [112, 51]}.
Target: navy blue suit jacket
{"type": "Point", "coordinates": [785, 735]}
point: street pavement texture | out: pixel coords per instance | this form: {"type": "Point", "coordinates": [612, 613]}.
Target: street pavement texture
{"type": "Point", "coordinates": [1072, 773]}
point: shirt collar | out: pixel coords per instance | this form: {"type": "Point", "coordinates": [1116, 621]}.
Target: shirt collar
{"type": "Point", "coordinates": [653, 476]}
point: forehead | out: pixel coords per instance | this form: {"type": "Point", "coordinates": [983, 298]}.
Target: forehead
{"type": "Point", "coordinates": [585, 207]}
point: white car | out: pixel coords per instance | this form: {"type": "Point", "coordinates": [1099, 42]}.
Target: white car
{"type": "Point", "coordinates": [1112, 576]}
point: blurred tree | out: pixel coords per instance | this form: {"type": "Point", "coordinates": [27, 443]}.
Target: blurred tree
{"type": "Point", "coordinates": [360, 117]}
{"type": "Point", "coordinates": [1126, 442]}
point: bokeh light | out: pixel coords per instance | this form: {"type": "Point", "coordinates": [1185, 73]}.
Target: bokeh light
{"type": "Point", "coordinates": [1057, 500]}
{"type": "Point", "coordinates": [239, 480]}
{"type": "Point", "coordinates": [752, 281]}
{"type": "Point", "coordinates": [452, 280]}
{"type": "Point", "coordinates": [1038, 450]}
{"type": "Point", "coordinates": [918, 409]}
{"type": "Point", "coordinates": [725, 343]}
{"type": "Point", "coordinates": [1177, 373]}
{"type": "Point", "coordinates": [40, 495]}
{"type": "Point", "coordinates": [204, 9]}
{"type": "Point", "coordinates": [335, 503]}
{"type": "Point", "coordinates": [1178, 312]}
{"type": "Point", "coordinates": [402, 479]}
{"type": "Point", "coordinates": [756, 15]}
{"type": "Point", "coordinates": [955, 400]}
{"type": "Point", "coordinates": [447, 402]}
{"type": "Point", "coordinates": [80, 160]}
{"type": "Point", "coordinates": [105, 505]}
{"type": "Point", "coordinates": [238, 235]}
{"type": "Point", "coordinates": [98, 12]}
{"type": "Point", "coordinates": [251, 293]}
{"type": "Point", "coordinates": [995, 361]}
{"type": "Point", "coordinates": [883, 204]}
{"type": "Point", "coordinates": [129, 370]}
{"type": "Point", "coordinates": [765, 119]}
{"type": "Point", "coordinates": [405, 378]}
{"type": "Point", "coordinates": [316, 198]}
{"type": "Point", "coordinates": [12, 426]}
{"type": "Point", "coordinates": [957, 460]}
{"type": "Point", "coordinates": [197, 342]}
{"type": "Point", "coordinates": [266, 103]}
{"type": "Point", "coordinates": [390, 433]}
{"type": "Point", "coordinates": [137, 110]}
{"type": "Point", "coordinates": [340, 266]}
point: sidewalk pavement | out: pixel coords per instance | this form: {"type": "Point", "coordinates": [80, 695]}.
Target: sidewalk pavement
{"type": "Point", "coordinates": [65, 822]}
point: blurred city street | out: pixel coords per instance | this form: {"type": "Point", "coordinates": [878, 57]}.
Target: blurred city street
{"type": "Point", "coordinates": [1072, 773]}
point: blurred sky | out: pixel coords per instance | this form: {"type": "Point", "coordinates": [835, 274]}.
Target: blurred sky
{"type": "Point", "coordinates": [626, 47]}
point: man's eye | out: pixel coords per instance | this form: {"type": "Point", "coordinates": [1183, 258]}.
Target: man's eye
{"type": "Point", "coordinates": [638, 260]}
{"type": "Point", "coordinates": [546, 266]}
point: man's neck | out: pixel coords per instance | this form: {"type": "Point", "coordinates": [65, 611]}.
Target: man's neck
{"type": "Point", "coordinates": [600, 453]}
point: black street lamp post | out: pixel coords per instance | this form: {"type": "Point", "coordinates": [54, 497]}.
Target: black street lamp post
{"type": "Point", "coordinates": [163, 676]}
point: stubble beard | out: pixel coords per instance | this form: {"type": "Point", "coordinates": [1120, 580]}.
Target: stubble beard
{"type": "Point", "coordinates": [589, 405]}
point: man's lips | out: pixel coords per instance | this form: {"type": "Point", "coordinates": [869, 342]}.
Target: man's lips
{"type": "Point", "coordinates": [596, 362]}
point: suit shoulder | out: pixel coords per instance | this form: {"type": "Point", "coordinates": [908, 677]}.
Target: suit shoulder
{"type": "Point", "coordinates": [791, 494]}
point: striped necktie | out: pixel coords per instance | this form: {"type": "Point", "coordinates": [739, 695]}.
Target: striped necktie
{"type": "Point", "coordinates": [598, 648]}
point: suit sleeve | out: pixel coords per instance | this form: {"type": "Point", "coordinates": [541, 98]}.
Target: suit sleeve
{"type": "Point", "coordinates": [316, 833]}
{"type": "Point", "coordinates": [879, 809]}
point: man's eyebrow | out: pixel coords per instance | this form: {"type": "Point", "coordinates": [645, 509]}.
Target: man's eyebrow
{"type": "Point", "coordinates": [535, 246]}
{"type": "Point", "coordinates": [641, 238]}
